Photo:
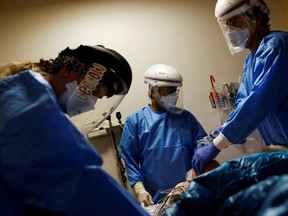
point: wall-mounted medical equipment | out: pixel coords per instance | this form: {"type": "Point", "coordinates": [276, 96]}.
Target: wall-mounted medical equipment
{"type": "Point", "coordinates": [222, 97]}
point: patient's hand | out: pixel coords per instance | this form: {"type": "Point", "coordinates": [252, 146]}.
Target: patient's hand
{"type": "Point", "coordinates": [184, 185]}
{"type": "Point", "coordinates": [209, 166]}
{"type": "Point", "coordinates": [191, 174]}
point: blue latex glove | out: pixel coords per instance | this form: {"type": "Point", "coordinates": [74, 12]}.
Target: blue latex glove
{"type": "Point", "coordinates": [202, 156]}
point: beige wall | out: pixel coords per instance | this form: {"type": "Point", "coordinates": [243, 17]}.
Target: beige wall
{"type": "Point", "coordinates": [183, 33]}
{"type": "Point", "coordinates": [284, 8]}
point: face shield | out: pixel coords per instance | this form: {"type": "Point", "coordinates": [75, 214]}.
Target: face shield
{"type": "Point", "coordinates": [165, 87]}
{"type": "Point", "coordinates": [99, 91]}
{"type": "Point", "coordinates": [238, 26]}
{"type": "Point", "coordinates": [170, 98]}
{"type": "Point", "coordinates": [95, 98]}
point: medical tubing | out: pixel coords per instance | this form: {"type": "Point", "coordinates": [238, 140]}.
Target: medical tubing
{"type": "Point", "coordinates": [119, 161]}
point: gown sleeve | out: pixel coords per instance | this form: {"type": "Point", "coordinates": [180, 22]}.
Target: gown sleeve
{"type": "Point", "coordinates": [267, 91]}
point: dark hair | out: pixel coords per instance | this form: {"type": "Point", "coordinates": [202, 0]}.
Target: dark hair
{"type": "Point", "coordinates": [259, 9]}
{"type": "Point", "coordinates": [117, 78]}
{"type": "Point", "coordinates": [86, 56]}
{"type": "Point", "coordinates": [53, 66]}
{"type": "Point", "coordinates": [113, 83]}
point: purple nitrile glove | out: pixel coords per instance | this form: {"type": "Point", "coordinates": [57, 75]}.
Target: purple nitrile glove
{"type": "Point", "coordinates": [202, 156]}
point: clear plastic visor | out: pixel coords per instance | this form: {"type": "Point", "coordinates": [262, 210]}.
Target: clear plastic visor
{"type": "Point", "coordinates": [237, 28]}
{"type": "Point", "coordinates": [170, 98]}
{"type": "Point", "coordinates": [101, 102]}
{"type": "Point", "coordinates": [91, 120]}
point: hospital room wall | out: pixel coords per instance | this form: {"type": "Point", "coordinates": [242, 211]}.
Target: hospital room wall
{"type": "Point", "coordinates": [284, 9]}
{"type": "Point", "coordinates": [182, 33]}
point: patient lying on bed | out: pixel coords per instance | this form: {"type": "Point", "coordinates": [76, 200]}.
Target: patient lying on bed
{"type": "Point", "coordinates": [175, 193]}
{"type": "Point", "coordinates": [250, 185]}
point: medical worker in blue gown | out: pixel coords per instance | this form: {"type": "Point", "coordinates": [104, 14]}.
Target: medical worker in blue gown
{"type": "Point", "coordinates": [48, 167]}
{"type": "Point", "coordinates": [158, 140]}
{"type": "Point", "coordinates": [262, 99]}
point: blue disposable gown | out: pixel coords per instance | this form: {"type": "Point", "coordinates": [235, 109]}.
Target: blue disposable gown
{"type": "Point", "coordinates": [262, 99]}
{"type": "Point", "coordinates": [46, 162]}
{"type": "Point", "coordinates": [162, 144]}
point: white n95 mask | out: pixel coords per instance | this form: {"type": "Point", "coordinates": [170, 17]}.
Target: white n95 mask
{"type": "Point", "coordinates": [238, 38]}
{"type": "Point", "coordinates": [172, 102]}
{"type": "Point", "coordinates": [169, 101]}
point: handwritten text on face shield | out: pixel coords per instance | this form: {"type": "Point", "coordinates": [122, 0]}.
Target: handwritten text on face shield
{"type": "Point", "coordinates": [90, 81]}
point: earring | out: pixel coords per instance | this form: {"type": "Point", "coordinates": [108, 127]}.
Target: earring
{"type": "Point", "coordinates": [65, 75]}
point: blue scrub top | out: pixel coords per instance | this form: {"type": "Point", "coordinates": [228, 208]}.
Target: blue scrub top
{"type": "Point", "coordinates": [162, 143]}
{"type": "Point", "coordinates": [46, 162]}
{"type": "Point", "coordinates": [262, 99]}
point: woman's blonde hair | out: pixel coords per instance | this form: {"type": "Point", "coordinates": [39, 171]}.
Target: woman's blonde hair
{"type": "Point", "coordinates": [44, 67]}
{"type": "Point", "coordinates": [17, 67]}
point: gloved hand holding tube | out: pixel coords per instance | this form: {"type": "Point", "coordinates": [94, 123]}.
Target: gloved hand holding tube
{"type": "Point", "coordinates": [207, 153]}
{"type": "Point", "coordinates": [142, 195]}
